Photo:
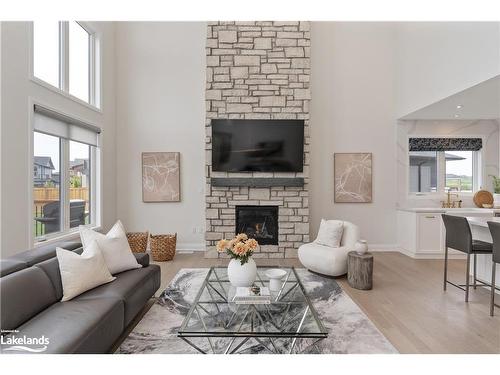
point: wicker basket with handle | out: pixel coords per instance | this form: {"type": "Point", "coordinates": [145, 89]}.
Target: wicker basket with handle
{"type": "Point", "coordinates": [163, 246]}
{"type": "Point", "coordinates": [138, 241]}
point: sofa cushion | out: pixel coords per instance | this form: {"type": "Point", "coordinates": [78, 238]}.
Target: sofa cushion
{"type": "Point", "coordinates": [51, 268]}
{"type": "Point", "coordinates": [142, 259]}
{"type": "Point", "coordinates": [23, 295]}
{"type": "Point", "coordinates": [80, 273]}
{"type": "Point", "coordinates": [134, 288]}
{"type": "Point", "coordinates": [8, 266]}
{"type": "Point", "coordinates": [87, 326]}
{"type": "Point", "coordinates": [114, 246]}
{"type": "Point", "coordinates": [44, 252]}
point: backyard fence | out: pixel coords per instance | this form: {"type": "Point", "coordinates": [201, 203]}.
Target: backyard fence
{"type": "Point", "coordinates": [43, 196]}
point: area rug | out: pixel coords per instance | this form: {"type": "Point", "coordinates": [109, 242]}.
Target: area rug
{"type": "Point", "coordinates": [349, 329]}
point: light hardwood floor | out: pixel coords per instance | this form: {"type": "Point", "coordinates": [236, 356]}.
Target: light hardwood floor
{"type": "Point", "coordinates": [407, 304]}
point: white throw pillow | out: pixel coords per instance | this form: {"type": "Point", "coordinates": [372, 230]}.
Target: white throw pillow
{"type": "Point", "coordinates": [80, 273]}
{"type": "Point", "coordinates": [114, 246]}
{"type": "Point", "coordinates": [330, 233]}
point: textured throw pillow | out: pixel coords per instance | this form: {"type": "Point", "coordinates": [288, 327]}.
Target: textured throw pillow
{"type": "Point", "coordinates": [114, 246]}
{"type": "Point", "coordinates": [80, 273]}
{"type": "Point", "coordinates": [330, 233]}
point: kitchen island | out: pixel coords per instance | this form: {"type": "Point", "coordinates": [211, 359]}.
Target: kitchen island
{"type": "Point", "coordinates": [480, 231]}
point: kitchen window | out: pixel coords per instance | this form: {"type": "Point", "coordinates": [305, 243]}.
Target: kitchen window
{"type": "Point", "coordinates": [438, 165]}
{"type": "Point", "coordinates": [65, 55]}
{"type": "Point", "coordinates": [64, 174]}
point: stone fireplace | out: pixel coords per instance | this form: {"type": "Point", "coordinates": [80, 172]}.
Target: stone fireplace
{"type": "Point", "coordinates": [259, 222]}
{"type": "Point", "coordinates": [258, 70]}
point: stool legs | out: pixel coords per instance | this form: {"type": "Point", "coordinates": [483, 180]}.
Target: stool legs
{"type": "Point", "coordinates": [492, 302]}
{"type": "Point", "coordinates": [467, 281]}
{"type": "Point", "coordinates": [445, 267]}
{"type": "Point", "coordinates": [475, 270]}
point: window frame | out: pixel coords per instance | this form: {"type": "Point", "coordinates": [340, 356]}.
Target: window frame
{"type": "Point", "coordinates": [95, 185]}
{"type": "Point", "coordinates": [94, 78]}
{"type": "Point", "coordinates": [477, 169]}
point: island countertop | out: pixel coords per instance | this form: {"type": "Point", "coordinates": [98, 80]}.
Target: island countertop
{"type": "Point", "coordinates": [482, 221]}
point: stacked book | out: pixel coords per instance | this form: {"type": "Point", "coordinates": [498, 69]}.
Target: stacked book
{"type": "Point", "coordinates": [252, 296]}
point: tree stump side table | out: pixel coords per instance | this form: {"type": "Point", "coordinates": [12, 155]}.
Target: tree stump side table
{"type": "Point", "coordinates": [360, 270]}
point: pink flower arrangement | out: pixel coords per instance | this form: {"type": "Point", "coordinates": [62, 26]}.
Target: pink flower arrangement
{"type": "Point", "coordinates": [240, 247]}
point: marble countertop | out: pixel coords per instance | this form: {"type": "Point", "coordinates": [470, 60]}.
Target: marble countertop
{"type": "Point", "coordinates": [442, 210]}
{"type": "Point", "coordinates": [482, 221]}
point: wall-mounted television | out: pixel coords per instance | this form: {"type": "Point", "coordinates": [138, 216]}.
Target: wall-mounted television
{"type": "Point", "coordinates": [257, 145]}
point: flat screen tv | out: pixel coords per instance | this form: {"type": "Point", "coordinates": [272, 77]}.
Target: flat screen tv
{"type": "Point", "coordinates": [257, 145]}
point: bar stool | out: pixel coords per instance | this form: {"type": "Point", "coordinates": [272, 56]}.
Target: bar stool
{"type": "Point", "coordinates": [459, 237]}
{"type": "Point", "coordinates": [495, 234]}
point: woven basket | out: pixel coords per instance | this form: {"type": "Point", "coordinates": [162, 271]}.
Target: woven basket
{"type": "Point", "coordinates": [138, 241]}
{"type": "Point", "coordinates": [163, 246]}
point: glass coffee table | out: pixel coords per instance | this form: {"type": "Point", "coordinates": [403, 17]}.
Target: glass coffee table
{"type": "Point", "coordinates": [215, 324]}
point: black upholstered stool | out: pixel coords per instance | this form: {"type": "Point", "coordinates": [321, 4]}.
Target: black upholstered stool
{"type": "Point", "coordinates": [459, 237]}
{"type": "Point", "coordinates": [495, 234]}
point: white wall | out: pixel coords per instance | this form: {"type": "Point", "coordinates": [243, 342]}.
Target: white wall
{"type": "Point", "coordinates": [160, 76]}
{"type": "Point", "coordinates": [352, 110]}
{"type": "Point", "coordinates": [438, 59]}
{"type": "Point", "coordinates": [16, 91]}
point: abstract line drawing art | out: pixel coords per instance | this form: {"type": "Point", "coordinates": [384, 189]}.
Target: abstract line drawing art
{"type": "Point", "coordinates": [353, 177]}
{"type": "Point", "coordinates": [161, 177]}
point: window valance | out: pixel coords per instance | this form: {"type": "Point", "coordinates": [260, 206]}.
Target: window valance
{"type": "Point", "coordinates": [445, 144]}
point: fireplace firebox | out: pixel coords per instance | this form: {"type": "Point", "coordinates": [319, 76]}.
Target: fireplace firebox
{"type": "Point", "coordinates": [259, 222]}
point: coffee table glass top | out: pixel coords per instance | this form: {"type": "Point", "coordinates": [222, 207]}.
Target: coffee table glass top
{"type": "Point", "coordinates": [290, 314]}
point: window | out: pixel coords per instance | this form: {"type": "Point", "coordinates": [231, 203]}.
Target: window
{"type": "Point", "coordinates": [46, 184]}
{"type": "Point", "coordinates": [423, 171]}
{"type": "Point", "coordinates": [79, 61]}
{"type": "Point", "coordinates": [46, 51]}
{"type": "Point", "coordinates": [64, 56]}
{"type": "Point", "coordinates": [79, 179]}
{"type": "Point", "coordinates": [64, 183]}
{"type": "Point", "coordinates": [437, 165]}
{"type": "Point", "coordinates": [459, 171]}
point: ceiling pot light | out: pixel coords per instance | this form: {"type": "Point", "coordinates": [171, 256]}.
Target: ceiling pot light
{"type": "Point", "coordinates": [460, 106]}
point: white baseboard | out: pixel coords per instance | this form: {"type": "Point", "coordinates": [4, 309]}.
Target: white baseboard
{"type": "Point", "coordinates": [191, 247]}
{"type": "Point", "coordinates": [419, 255]}
{"type": "Point", "coordinates": [383, 247]}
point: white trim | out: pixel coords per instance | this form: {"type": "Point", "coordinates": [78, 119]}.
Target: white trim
{"type": "Point", "coordinates": [64, 56]}
{"type": "Point", "coordinates": [74, 234]}
{"type": "Point", "coordinates": [383, 247]}
{"type": "Point", "coordinates": [67, 95]}
{"type": "Point", "coordinates": [194, 247]}
{"type": "Point", "coordinates": [432, 254]}
{"type": "Point", "coordinates": [96, 188]}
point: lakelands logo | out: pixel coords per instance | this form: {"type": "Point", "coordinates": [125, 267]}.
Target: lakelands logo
{"type": "Point", "coordinates": [24, 343]}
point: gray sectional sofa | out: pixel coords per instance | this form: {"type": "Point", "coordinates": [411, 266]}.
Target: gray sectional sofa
{"type": "Point", "coordinates": [31, 290]}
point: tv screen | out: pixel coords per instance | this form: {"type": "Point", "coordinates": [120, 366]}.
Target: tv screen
{"type": "Point", "coordinates": [257, 145]}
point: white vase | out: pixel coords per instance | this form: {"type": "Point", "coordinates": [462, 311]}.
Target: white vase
{"type": "Point", "coordinates": [361, 247]}
{"type": "Point", "coordinates": [496, 202]}
{"type": "Point", "coordinates": [242, 275]}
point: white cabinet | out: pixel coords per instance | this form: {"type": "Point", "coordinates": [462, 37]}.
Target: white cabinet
{"type": "Point", "coordinates": [422, 234]}
{"type": "Point", "coordinates": [429, 233]}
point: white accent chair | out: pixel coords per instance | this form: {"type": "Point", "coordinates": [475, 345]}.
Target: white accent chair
{"type": "Point", "coordinates": [331, 261]}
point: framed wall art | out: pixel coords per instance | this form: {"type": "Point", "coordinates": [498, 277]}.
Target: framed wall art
{"type": "Point", "coordinates": [161, 177]}
{"type": "Point", "coordinates": [353, 177]}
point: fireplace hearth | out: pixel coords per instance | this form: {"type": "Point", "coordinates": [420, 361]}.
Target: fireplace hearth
{"type": "Point", "coordinates": [259, 222]}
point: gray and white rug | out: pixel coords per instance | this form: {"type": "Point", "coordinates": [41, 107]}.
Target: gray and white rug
{"type": "Point", "coordinates": [349, 329]}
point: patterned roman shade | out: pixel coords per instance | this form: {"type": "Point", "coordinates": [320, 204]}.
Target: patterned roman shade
{"type": "Point", "coordinates": [445, 144]}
